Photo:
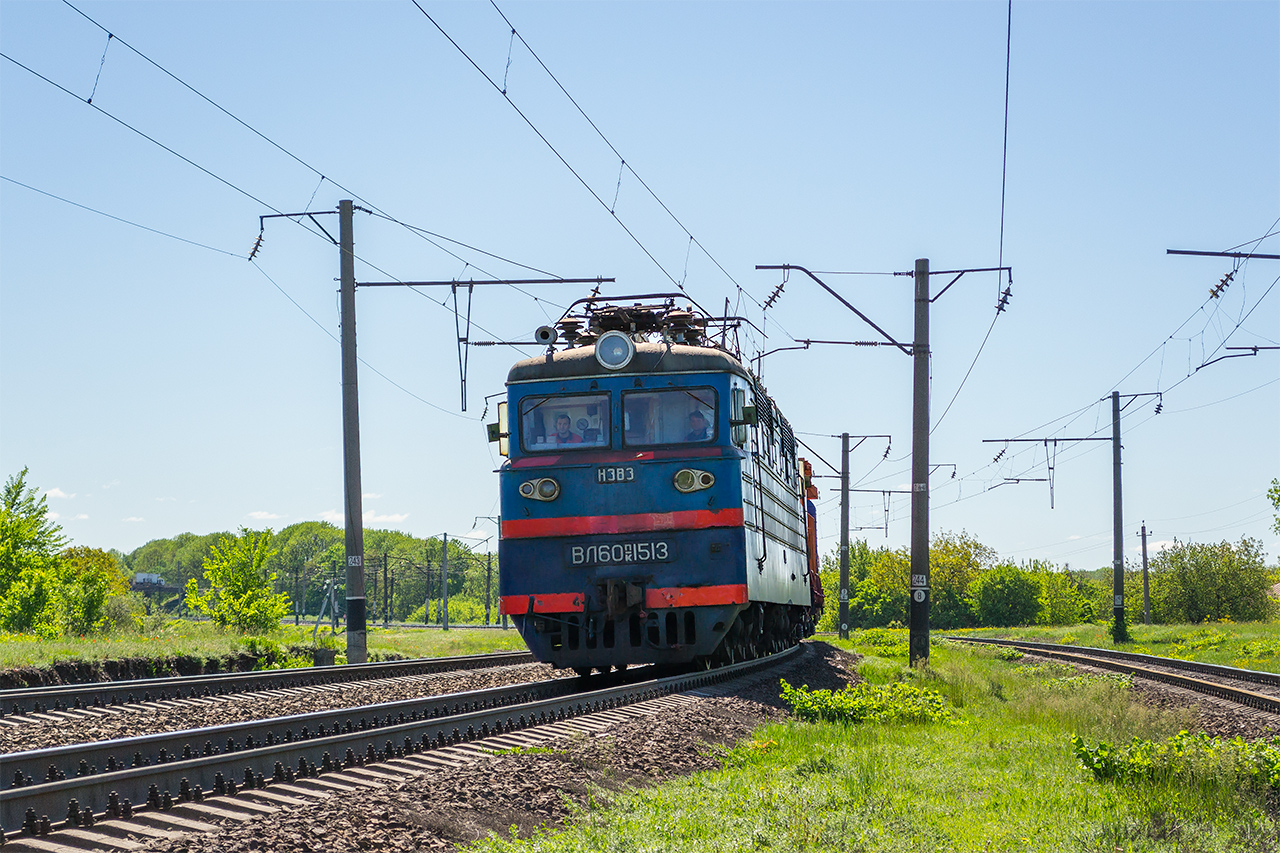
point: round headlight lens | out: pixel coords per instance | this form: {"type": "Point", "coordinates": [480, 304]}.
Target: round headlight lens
{"type": "Point", "coordinates": [692, 480]}
{"type": "Point", "coordinates": [548, 489]}
{"type": "Point", "coordinates": [614, 350]}
{"type": "Point", "coordinates": [526, 489]}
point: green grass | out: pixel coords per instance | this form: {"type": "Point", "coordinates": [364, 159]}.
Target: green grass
{"type": "Point", "coordinates": [1005, 778]}
{"type": "Point", "coordinates": [1252, 645]}
{"type": "Point", "coordinates": [171, 638]}
{"type": "Point", "coordinates": [432, 642]}
{"type": "Point", "coordinates": [159, 639]}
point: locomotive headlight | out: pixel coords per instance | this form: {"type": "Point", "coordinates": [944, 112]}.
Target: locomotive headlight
{"type": "Point", "coordinates": [614, 350]}
{"type": "Point", "coordinates": [542, 489]}
{"type": "Point", "coordinates": [691, 480]}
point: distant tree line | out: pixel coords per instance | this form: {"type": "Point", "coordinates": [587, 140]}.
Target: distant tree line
{"type": "Point", "coordinates": [307, 557]}
{"type": "Point", "coordinates": [971, 587]}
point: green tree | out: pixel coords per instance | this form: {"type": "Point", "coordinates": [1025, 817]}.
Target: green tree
{"type": "Point", "coordinates": [88, 577]}
{"type": "Point", "coordinates": [1064, 598]}
{"type": "Point", "coordinates": [1193, 582]}
{"type": "Point", "coordinates": [860, 559]}
{"type": "Point", "coordinates": [29, 539]}
{"type": "Point", "coordinates": [955, 561]}
{"type": "Point", "coordinates": [240, 593]}
{"type": "Point", "coordinates": [1005, 596]}
{"type": "Point", "coordinates": [872, 607]}
{"type": "Point", "coordinates": [32, 604]}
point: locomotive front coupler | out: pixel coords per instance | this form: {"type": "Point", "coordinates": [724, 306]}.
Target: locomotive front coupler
{"type": "Point", "coordinates": [619, 596]}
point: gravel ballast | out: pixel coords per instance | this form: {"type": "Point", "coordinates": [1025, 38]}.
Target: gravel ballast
{"type": "Point", "coordinates": [440, 810]}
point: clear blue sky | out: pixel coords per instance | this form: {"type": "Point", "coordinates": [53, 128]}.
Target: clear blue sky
{"type": "Point", "coordinates": [154, 386]}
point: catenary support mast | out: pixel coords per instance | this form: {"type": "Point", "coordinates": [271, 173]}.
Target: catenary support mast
{"type": "Point", "coordinates": [844, 536]}
{"type": "Point", "coordinates": [353, 514]}
{"type": "Point", "coordinates": [1119, 631]}
{"type": "Point", "coordinates": [919, 618]}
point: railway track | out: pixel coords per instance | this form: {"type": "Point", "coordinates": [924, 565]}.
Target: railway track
{"type": "Point", "coordinates": [1225, 682]}
{"type": "Point", "coordinates": [263, 764]}
{"type": "Point", "coordinates": [71, 701]}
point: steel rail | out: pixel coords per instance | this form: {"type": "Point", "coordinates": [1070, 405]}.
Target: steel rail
{"type": "Point", "coordinates": [81, 759]}
{"type": "Point", "coordinates": [266, 763]}
{"type": "Point", "coordinates": [61, 697]}
{"type": "Point", "coordinates": [1141, 665]}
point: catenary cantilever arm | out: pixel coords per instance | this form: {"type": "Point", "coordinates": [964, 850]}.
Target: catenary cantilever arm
{"type": "Point", "coordinates": [906, 349]}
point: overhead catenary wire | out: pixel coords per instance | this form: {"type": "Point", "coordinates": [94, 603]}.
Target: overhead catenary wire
{"type": "Point", "coordinates": [1192, 371]}
{"type": "Point", "coordinates": [203, 170]}
{"type": "Point", "coordinates": [420, 232]}
{"type": "Point", "coordinates": [122, 219]}
{"type": "Point", "coordinates": [145, 136]}
{"type": "Point", "coordinates": [623, 164]}
{"type": "Point", "coordinates": [547, 142]}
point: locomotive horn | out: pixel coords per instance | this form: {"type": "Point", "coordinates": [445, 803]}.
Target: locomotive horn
{"type": "Point", "coordinates": [545, 335]}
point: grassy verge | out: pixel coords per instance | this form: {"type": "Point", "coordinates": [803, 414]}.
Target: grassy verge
{"type": "Point", "coordinates": [1002, 776]}
{"type": "Point", "coordinates": [432, 642]}
{"type": "Point", "coordinates": [168, 639]}
{"type": "Point", "coordinates": [1252, 645]}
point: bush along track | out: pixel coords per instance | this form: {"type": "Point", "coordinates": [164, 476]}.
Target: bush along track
{"type": "Point", "coordinates": [876, 703]}
{"type": "Point", "coordinates": [1233, 762]}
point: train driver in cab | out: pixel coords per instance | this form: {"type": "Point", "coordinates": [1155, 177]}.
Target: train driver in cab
{"type": "Point", "coordinates": [564, 430]}
{"type": "Point", "coordinates": [697, 426]}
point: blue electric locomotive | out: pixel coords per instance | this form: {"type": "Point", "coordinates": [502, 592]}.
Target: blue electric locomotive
{"type": "Point", "coordinates": [653, 508]}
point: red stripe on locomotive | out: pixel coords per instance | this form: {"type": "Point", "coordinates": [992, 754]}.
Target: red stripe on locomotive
{"type": "Point", "coordinates": [695, 596]}
{"type": "Point", "coordinates": [552, 602]}
{"type": "Point", "coordinates": [524, 528]}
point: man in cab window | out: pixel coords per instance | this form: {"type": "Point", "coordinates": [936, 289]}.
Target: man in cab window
{"type": "Point", "coordinates": [697, 426]}
{"type": "Point", "coordinates": [564, 431]}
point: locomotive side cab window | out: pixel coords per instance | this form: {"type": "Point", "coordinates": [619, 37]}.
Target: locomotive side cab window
{"type": "Point", "coordinates": [564, 422]}
{"type": "Point", "coordinates": [673, 416]}
{"type": "Point", "coordinates": [738, 402]}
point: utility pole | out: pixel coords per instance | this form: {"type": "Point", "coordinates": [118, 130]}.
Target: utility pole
{"type": "Point", "coordinates": [844, 536]}
{"type": "Point", "coordinates": [1118, 629]}
{"type": "Point", "coordinates": [357, 651]}
{"type": "Point", "coordinates": [1146, 588]}
{"type": "Point", "coordinates": [386, 593]}
{"type": "Point", "coordinates": [444, 586]}
{"type": "Point", "coordinates": [919, 616]}
{"type": "Point", "coordinates": [488, 585]}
